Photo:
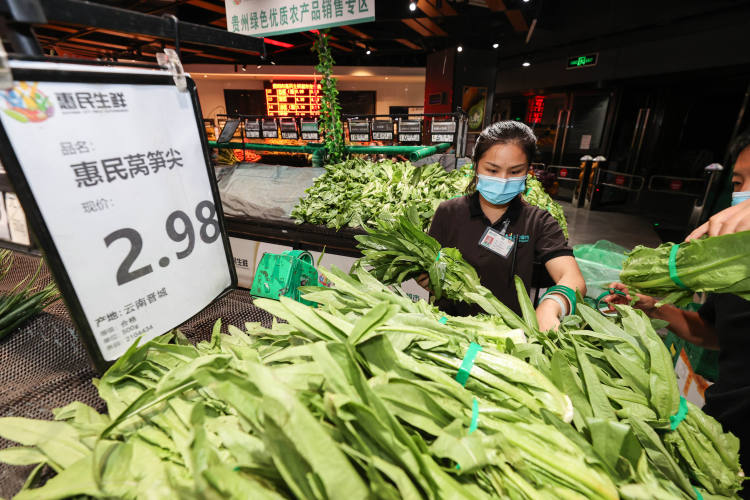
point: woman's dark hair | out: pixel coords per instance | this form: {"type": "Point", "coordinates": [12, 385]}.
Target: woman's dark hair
{"type": "Point", "coordinates": [504, 132]}
{"type": "Point", "coordinates": [738, 145]}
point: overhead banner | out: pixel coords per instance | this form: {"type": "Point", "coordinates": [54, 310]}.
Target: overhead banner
{"type": "Point", "coordinates": [271, 17]}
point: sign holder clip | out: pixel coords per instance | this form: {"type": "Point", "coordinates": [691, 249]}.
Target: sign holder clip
{"type": "Point", "coordinates": [171, 62]}
{"type": "Point", "coordinates": [6, 75]}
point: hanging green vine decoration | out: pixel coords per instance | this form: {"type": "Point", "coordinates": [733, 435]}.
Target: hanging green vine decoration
{"type": "Point", "coordinates": [330, 117]}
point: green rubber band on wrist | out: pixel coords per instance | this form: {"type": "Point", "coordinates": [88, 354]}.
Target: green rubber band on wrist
{"type": "Point", "coordinates": [474, 416]}
{"type": "Point", "coordinates": [443, 320]}
{"type": "Point", "coordinates": [674, 420]}
{"type": "Point", "coordinates": [465, 370]}
{"type": "Point", "coordinates": [698, 495]}
{"type": "Point", "coordinates": [673, 267]}
{"type": "Point", "coordinates": [567, 292]}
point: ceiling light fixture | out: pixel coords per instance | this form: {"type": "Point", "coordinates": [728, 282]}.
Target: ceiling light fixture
{"type": "Point", "coordinates": [368, 52]}
{"type": "Point", "coordinates": [412, 6]}
{"type": "Point", "coordinates": [526, 1]}
{"type": "Point", "coordinates": [273, 62]}
{"type": "Point", "coordinates": [495, 45]}
{"type": "Point", "coordinates": [244, 67]}
{"type": "Point", "coordinates": [259, 66]}
{"type": "Point", "coordinates": [460, 48]}
{"type": "Point", "coordinates": [526, 64]}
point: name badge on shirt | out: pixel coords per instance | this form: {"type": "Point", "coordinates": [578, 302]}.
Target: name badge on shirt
{"type": "Point", "coordinates": [496, 242]}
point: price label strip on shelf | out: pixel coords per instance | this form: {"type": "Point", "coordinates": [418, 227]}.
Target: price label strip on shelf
{"type": "Point", "coordinates": [111, 167]}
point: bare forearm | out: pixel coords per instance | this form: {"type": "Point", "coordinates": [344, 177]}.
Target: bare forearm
{"type": "Point", "coordinates": [687, 325]}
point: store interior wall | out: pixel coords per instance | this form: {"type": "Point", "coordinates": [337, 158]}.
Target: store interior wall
{"type": "Point", "coordinates": [686, 51]}
{"type": "Point", "coordinates": [393, 86]}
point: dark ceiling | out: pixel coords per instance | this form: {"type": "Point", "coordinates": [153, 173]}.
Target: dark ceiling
{"type": "Point", "coordinates": [400, 37]}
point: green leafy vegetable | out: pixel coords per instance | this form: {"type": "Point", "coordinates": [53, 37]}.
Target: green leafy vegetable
{"type": "Point", "coordinates": [719, 264]}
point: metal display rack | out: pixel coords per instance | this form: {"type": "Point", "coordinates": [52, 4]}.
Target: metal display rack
{"type": "Point", "coordinates": [414, 151]}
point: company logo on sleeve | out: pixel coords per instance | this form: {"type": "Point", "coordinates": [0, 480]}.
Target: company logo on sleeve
{"type": "Point", "coordinates": [26, 103]}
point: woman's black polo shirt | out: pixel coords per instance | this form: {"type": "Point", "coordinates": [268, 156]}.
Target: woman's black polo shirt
{"type": "Point", "coordinates": [460, 223]}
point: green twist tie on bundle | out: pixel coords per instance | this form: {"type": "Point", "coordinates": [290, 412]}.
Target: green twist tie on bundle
{"type": "Point", "coordinates": [443, 320]}
{"type": "Point", "coordinates": [438, 257]}
{"type": "Point", "coordinates": [697, 493]}
{"type": "Point", "coordinates": [474, 416]}
{"type": "Point", "coordinates": [678, 417]}
{"type": "Point", "coordinates": [673, 267]}
{"type": "Point", "coordinates": [465, 370]}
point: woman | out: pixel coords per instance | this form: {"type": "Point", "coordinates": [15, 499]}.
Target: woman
{"type": "Point", "coordinates": [722, 322]}
{"type": "Point", "coordinates": [500, 234]}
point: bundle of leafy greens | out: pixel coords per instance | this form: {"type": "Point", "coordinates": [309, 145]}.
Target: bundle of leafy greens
{"type": "Point", "coordinates": [357, 398]}
{"type": "Point", "coordinates": [356, 192]}
{"type": "Point", "coordinates": [619, 372]}
{"type": "Point", "coordinates": [719, 264]}
{"type": "Point", "coordinates": [359, 192]}
{"type": "Point", "coordinates": [24, 301]}
{"type": "Point", "coordinates": [537, 196]}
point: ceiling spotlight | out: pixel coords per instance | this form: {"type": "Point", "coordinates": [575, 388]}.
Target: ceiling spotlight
{"type": "Point", "coordinates": [244, 67]}
{"type": "Point", "coordinates": [495, 45]}
{"type": "Point", "coordinates": [259, 66]}
{"type": "Point", "coordinates": [412, 6]}
{"type": "Point", "coordinates": [460, 48]}
{"type": "Point", "coordinates": [526, 1]}
{"type": "Point", "coordinates": [526, 64]}
{"type": "Point", "coordinates": [368, 52]}
{"type": "Point", "coordinates": [273, 62]}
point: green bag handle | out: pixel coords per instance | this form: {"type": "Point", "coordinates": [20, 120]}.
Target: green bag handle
{"type": "Point", "coordinates": [302, 255]}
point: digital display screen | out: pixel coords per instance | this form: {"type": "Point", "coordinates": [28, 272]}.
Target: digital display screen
{"type": "Point", "coordinates": [293, 98]}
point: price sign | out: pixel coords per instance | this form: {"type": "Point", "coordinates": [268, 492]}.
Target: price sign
{"type": "Point", "coordinates": [563, 172]}
{"type": "Point", "coordinates": [230, 127]}
{"type": "Point", "coordinates": [442, 131]}
{"type": "Point", "coordinates": [675, 185]}
{"type": "Point", "coordinates": [309, 129]}
{"type": "Point", "coordinates": [359, 130]}
{"type": "Point", "coordinates": [382, 130]}
{"type": "Point", "coordinates": [132, 230]}
{"type": "Point", "coordinates": [252, 129]}
{"type": "Point", "coordinates": [620, 180]}
{"type": "Point", "coordinates": [289, 129]}
{"type": "Point", "coordinates": [270, 129]}
{"type": "Point", "coordinates": [409, 131]}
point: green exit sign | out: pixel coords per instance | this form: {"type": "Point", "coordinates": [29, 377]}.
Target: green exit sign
{"type": "Point", "coordinates": [582, 61]}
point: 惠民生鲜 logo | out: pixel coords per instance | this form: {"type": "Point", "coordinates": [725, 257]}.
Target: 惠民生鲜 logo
{"type": "Point", "coordinates": [26, 103]}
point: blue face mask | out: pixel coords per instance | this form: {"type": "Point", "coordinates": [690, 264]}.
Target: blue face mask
{"type": "Point", "coordinates": [739, 197]}
{"type": "Point", "coordinates": [498, 190]}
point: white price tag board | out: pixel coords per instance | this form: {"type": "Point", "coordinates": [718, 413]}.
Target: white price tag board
{"type": "Point", "coordinates": [120, 194]}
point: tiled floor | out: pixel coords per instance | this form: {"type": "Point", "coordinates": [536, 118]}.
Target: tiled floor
{"type": "Point", "coordinates": [585, 226]}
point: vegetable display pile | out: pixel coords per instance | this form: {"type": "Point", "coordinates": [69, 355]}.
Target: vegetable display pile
{"type": "Point", "coordinates": [23, 302]}
{"type": "Point", "coordinates": [357, 192]}
{"type": "Point", "coordinates": [361, 398]}
{"type": "Point", "coordinates": [537, 196]}
{"type": "Point", "coordinates": [720, 264]}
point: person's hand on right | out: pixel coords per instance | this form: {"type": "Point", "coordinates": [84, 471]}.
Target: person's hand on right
{"type": "Point", "coordinates": [423, 280]}
{"type": "Point", "coordinates": [730, 220]}
{"type": "Point", "coordinates": [645, 303]}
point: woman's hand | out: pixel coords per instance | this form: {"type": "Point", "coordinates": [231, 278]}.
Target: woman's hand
{"type": "Point", "coordinates": [644, 302]}
{"type": "Point", "coordinates": [730, 220]}
{"type": "Point", "coordinates": [548, 315]}
{"type": "Point", "coordinates": [423, 280]}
